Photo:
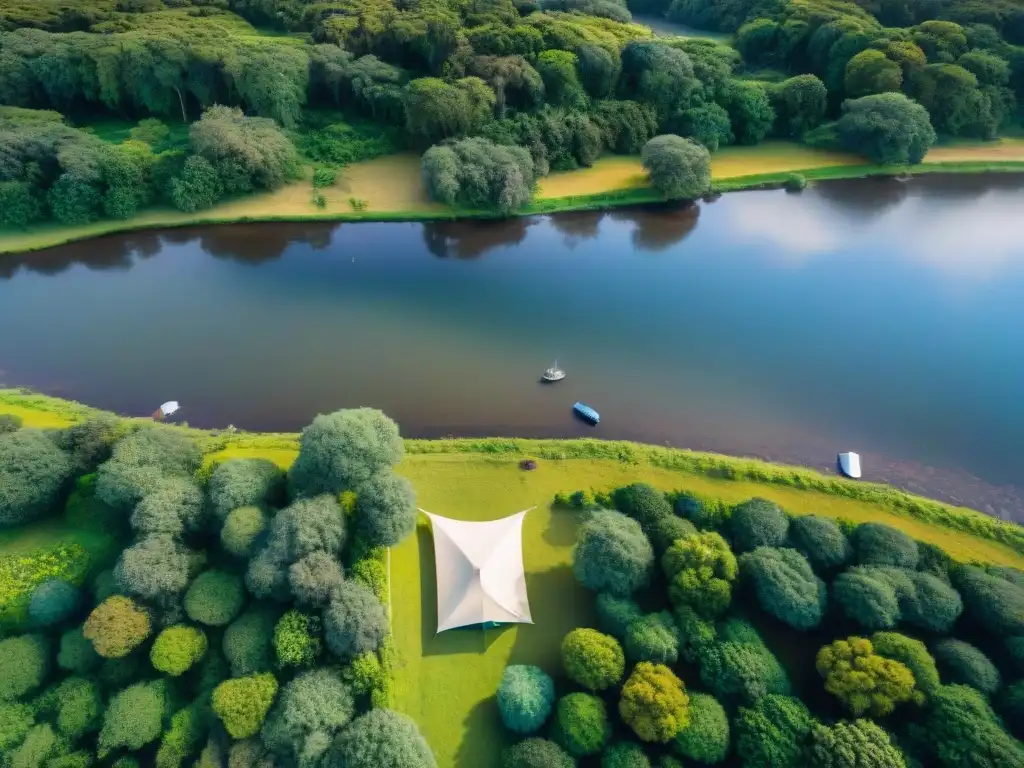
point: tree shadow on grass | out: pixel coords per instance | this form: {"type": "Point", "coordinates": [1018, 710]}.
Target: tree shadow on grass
{"type": "Point", "coordinates": [563, 526]}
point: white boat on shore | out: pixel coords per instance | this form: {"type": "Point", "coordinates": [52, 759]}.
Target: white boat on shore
{"type": "Point", "coordinates": [849, 464]}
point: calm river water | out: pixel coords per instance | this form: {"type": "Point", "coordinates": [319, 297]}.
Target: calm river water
{"type": "Point", "coordinates": [876, 316]}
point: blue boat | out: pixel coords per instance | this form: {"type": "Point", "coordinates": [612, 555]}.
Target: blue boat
{"type": "Point", "coordinates": [586, 412]}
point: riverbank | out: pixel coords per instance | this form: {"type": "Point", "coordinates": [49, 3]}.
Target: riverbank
{"type": "Point", "coordinates": [390, 189]}
{"type": "Point", "coordinates": [966, 534]}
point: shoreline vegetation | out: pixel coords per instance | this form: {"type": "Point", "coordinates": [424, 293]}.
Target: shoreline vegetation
{"type": "Point", "coordinates": [390, 189]}
{"type": "Point", "coordinates": [983, 536]}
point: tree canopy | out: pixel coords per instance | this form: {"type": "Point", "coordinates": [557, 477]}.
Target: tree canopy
{"type": "Point", "coordinates": [785, 585]}
{"type": "Point", "coordinates": [525, 698]}
{"type": "Point", "coordinates": [866, 682]}
{"type": "Point", "coordinates": [678, 168]}
{"type": "Point", "coordinates": [612, 554]}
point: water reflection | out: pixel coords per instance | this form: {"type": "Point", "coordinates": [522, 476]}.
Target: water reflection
{"type": "Point", "coordinates": [471, 239]}
{"type": "Point", "coordinates": [658, 228]}
{"type": "Point", "coordinates": [577, 226]}
{"type": "Point", "coordinates": [258, 243]}
{"type": "Point", "coordinates": [117, 252]}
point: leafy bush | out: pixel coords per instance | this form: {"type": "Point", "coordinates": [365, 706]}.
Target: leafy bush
{"type": "Point", "coordinates": [476, 173]}
{"type": "Point", "coordinates": [154, 568]}
{"type": "Point", "coordinates": [15, 722]}
{"type": "Point", "coordinates": [821, 541]}
{"type": "Point", "coordinates": [706, 738]}
{"type": "Point", "coordinates": [354, 622]}
{"type": "Point", "coordinates": [525, 697]}
{"type": "Point", "coordinates": [247, 642]}
{"type": "Point", "coordinates": [678, 168]}
{"type": "Point", "coordinates": [668, 530]}
{"type": "Point", "coordinates": [176, 649]}
{"type": "Point", "coordinates": [77, 654]}
{"type": "Point", "coordinates": [696, 635]}
{"type": "Point", "coordinates": [886, 128]}
{"type": "Point", "coordinates": [911, 653]}
{"type": "Point", "coordinates": [653, 638]}
{"type": "Point", "coordinates": [994, 603]}
{"type": "Point", "coordinates": [385, 510]}
{"type": "Point", "coordinates": [380, 739]}
{"type": "Point", "coordinates": [880, 597]}
{"type": "Point", "coordinates": [864, 681]}
{"type": "Point", "coordinates": [308, 525]}
{"type": "Point", "coordinates": [133, 718]}
{"type": "Point", "coordinates": [860, 744]}
{"type": "Point", "coordinates": [78, 706]}
{"type": "Point", "coordinates": [52, 602]}
{"type": "Point", "coordinates": [785, 585]}
{"type": "Point", "coordinates": [644, 503]}
{"type": "Point", "coordinates": [758, 523]}
{"type": "Point", "coordinates": [705, 514]}
{"type": "Point", "coordinates": [701, 570]}
{"type": "Point", "coordinates": [372, 573]}
{"type": "Point", "coordinates": [772, 733]}
{"type": "Point", "coordinates": [32, 472]}
{"type": "Point", "coordinates": [591, 659]}
{"type": "Point", "coordinates": [324, 177]}
{"type": "Point", "coordinates": [536, 753]}
{"type": "Point", "coordinates": [615, 614]}
{"type": "Point", "coordinates": [879, 544]}
{"type": "Point", "coordinates": [245, 483]}
{"type": "Point", "coordinates": [342, 450]}
{"type": "Point", "coordinates": [612, 554]}
{"type": "Point", "coordinates": [1011, 705]}
{"type": "Point", "coordinates": [173, 506]}
{"type": "Point", "coordinates": [182, 738]}
{"type": "Point", "coordinates": [364, 674]}
{"type": "Point", "coordinates": [40, 743]}
{"type": "Point", "coordinates": [315, 579]}
{"type": "Point", "coordinates": [88, 443]}
{"type": "Point", "coordinates": [297, 640]}
{"type": "Point", "coordinates": [962, 663]}
{"type": "Point", "coordinates": [242, 529]}
{"type": "Point", "coordinates": [581, 724]}
{"type": "Point", "coordinates": [116, 627]}
{"type": "Point", "coordinates": [962, 729]}
{"type": "Point", "coordinates": [741, 667]}
{"type": "Point", "coordinates": [214, 598]}
{"type": "Point", "coordinates": [24, 665]}
{"type": "Point", "coordinates": [311, 709]}
{"type": "Point", "coordinates": [654, 703]}
{"type": "Point", "coordinates": [625, 754]}
{"type": "Point", "coordinates": [242, 703]}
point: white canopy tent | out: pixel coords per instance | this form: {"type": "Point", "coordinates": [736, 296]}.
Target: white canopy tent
{"type": "Point", "coordinates": [480, 577]}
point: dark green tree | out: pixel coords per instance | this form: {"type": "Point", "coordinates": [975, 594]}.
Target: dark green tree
{"type": "Point", "coordinates": [380, 739]}
{"type": "Point", "coordinates": [652, 638]}
{"type": "Point", "coordinates": [248, 641]}
{"type": "Point", "coordinates": [758, 523]}
{"type": "Point", "coordinates": [245, 483]}
{"type": "Point", "coordinates": [52, 602]}
{"type": "Point", "coordinates": [678, 168]}
{"type": "Point", "coordinates": [821, 541]}
{"type": "Point", "coordinates": [880, 544]}
{"type": "Point", "coordinates": [133, 717]}
{"type": "Point", "coordinates": [612, 554]}
{"type": "Point", "coordinates": [32, 472]}
{"type": "Point", "coordinates": [525, 698]}
{"type": "Point", "coordinates": [860, 744]}
{"type": "Point", "coordinates": [24, 665]}
{"type": "Point", "coordinates": [785, 585]}
{"type": "Point", "coordinates": [315, 579]}
{"type": "Point", "coordinates": [215, 597]}
{"type": "Point", "coordinates": [242, 529]}
{"type": "Point", "coordinates": [773, 733]}
{"type": "Point", "coordinates": [477, 173]}
{"type": "Point", "coordinates": [800, 104]}
{"type": "Point", "coordinates": [310, 711]}
{"type": "Point", "coordinates": [962, 663]}
{"type": "Point", "coordinates": [706, 738]}
{"type": "Point", "coordinates": [581, 724]}
{"type": "Point", "coordinates": [870, 72]}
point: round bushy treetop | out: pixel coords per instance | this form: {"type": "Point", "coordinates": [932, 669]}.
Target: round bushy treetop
{"type": "Point", "coordinates": [311, 709]}
{"type": "Point", "coordinates": [864, 681]}
{"type": "Point", "coordinates": [88, 443]}
{"type": "Point", "coordinates": [242, 703]}
{"type": "Point", "coordinates": [625, 754]}
{"type": "Point", "coordinates": [866, 596]}
{"type": "Point", "coordinates": [248, 753]}
{"type": "Point", "coordinates": [706, 738]}
{"type": "Point", "coordinates": [612, 554]}
{"type": "Point", "coordinates": [1011, 705]}
{"type": "Point", "coordinates": [154, 568]}
{"type": "Point", "coordinates": [785, 585]}
{"type": "Point", "coordinates": [581, 724]}
{"type": "Point", "coordinates": [121, 486]}
{"type": "Point", "coordinates": [15, 722]}
{"type": "Point", "coordinates": [315, 579]}
{"type": "Point", "coordinates": [525, 697]}
{"type": "Point", "coordinates": [9, 422]}
{"type": "Point", "coordinates": [644, 503]}
{"type": "Point", "coordinates": [678, 168]}
{"type": "Point", "coordinates": [615, 614]}
{"type": "Point", "coordinates": [242, 528]}
{"type": "Point", "coordinates": [654, 703]}
{"type": "Point", "coordinates": [341, 451]}
{"type": "Point", "coordinates": [76, 653]}
{"type": "Point", "coordinates": [994, 603]}
{"type": "Point", "coordinates": [78, 706]}
{"type": "Point", "coordinates": [668, 530]}
{"type": "Point", "coordinates": [880, 544]}
{"type": "Point", "coordinates": [821, 541]}
{"type": "Point", "coordinates": [744, 671]}
{"type": "Point", "coordinates": [245, 483]}
{"type": "Point", "coordinates": [267, 575]}
{"type": "Point", "coordinates": [248, 642]}
{"type": "Point", "coordinates": [306, 526]}
{"type": "Point", "coordinates": [962, 663]}
{"type": "Point", "coordinates": [860, 744]}
{"type": "Point", "coordinates": [297, 640]}
{"type": "Point", "coordinates": [364, 674]}
{"type": "Point", "coordinates": [653, 638]}
{"type": "Point", "coordinates": [385, 509]}
{"type": "Point", "coordinates": [354, 622]}
{"type": "Point", "coordinates": [141, 460]}
{"type": "Point", "coordinates": [177, 648]}
{"type": "Point", "coordinates": [773, 732]}
{"type": "Point", "coordinates": [52, 602]}
{"type": "Point", "coordinates": [116, 627]}
{"type": "Point", "coordinates": [933, 604]}
{"type": "Point", "coordinates": [758, 523]}
{"type": "Point", "coordinates": [591, 659]}
{"type": "Point", "coordinates": [186, 729]}
{"type": "Point", "coordinates": [695, 634]}
{"type": "Point", "coordinates": [173, 507]}
{"type": "Point", "coordinates": [911, 653]}
{"type": "Point", "coordinates": [700, 570]}
{"type": "Point", "coordinates": [877, 597]}
{"type": "Point", "coordinates": [40, 742]}
{"type": "Point", "coordinates": [705, 514]}
{"type": "Point", "coordinates": [32, 473]}
{"type": "Point", "coordinates": [133, 718]}
{"type": "Point", "coordinates": [381, 738]}
{"type": "Point", "coordinates": [477, 173]}
{"type": "Point", "coordinates": [536, 753]}
{"type": "Point", "coordinates": [886, 128]}
{"type": "Point", "coordinates": [104, 585]}
{"type": "Point", "coordinates": [24, 664]}
{"type": "Point", "coordinates": [214, 598]}
{"type": "Point", "coordinates": [963, 730]}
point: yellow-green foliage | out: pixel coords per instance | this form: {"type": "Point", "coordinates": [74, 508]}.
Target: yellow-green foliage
{"type": "Point", "coordinates": [864, 681]}
{"type": "Point", "coordinates": [177, 648]}
{"type": "Point", "coordinates": [654, 703]}
{"type": "Point", "coordinates": [242, 703]}
{"type": "Point", "coordinates": [20, 575]}
{"type": "Point", "coordinates": [593, 660]}
{"type": "Point", "coordinates": [116, 627]}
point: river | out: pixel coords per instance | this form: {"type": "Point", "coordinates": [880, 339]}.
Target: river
{"type": "Point", "coordinates": [879, 316]}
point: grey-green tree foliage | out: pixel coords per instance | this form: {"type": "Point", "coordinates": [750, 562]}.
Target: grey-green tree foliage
{"type": "Point", "coordinates": [310, 711]}
{"type": "Point", "coordinates": [678, 168]}
{"type": "Point", "coordinates": [381, 738]}
{"type": "Point", "coordinates": [785, 585]}
{"type": "Point", "coordinates": [385, 509]}
{"type": "Point", "coordinates": [612, 554]}
{"type": "Point", "coordinates": [354, 621]}
{"type": "Point", "coordinates": [32, 472]}
{"type": "Point", "coordinates": [525, 697]}
{"type": "Point", "coordinates": [245, 483]}
{"type": "Point", "coordinates": [476, 173]}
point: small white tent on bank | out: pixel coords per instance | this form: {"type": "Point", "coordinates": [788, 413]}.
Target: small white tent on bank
{"type": "Point", "coordinates": [480, 577]}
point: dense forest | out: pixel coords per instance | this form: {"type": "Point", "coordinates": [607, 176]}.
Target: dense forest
{"type": "Point", "coordinates": [737, 635]}
{"type": "Point", "coordinates": [243, 622]}
{"type": "Point", "coordinates": [298, 83]}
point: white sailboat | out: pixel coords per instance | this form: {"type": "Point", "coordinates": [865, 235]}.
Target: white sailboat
{"type": "Point", "coordinates": [554, 373]}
